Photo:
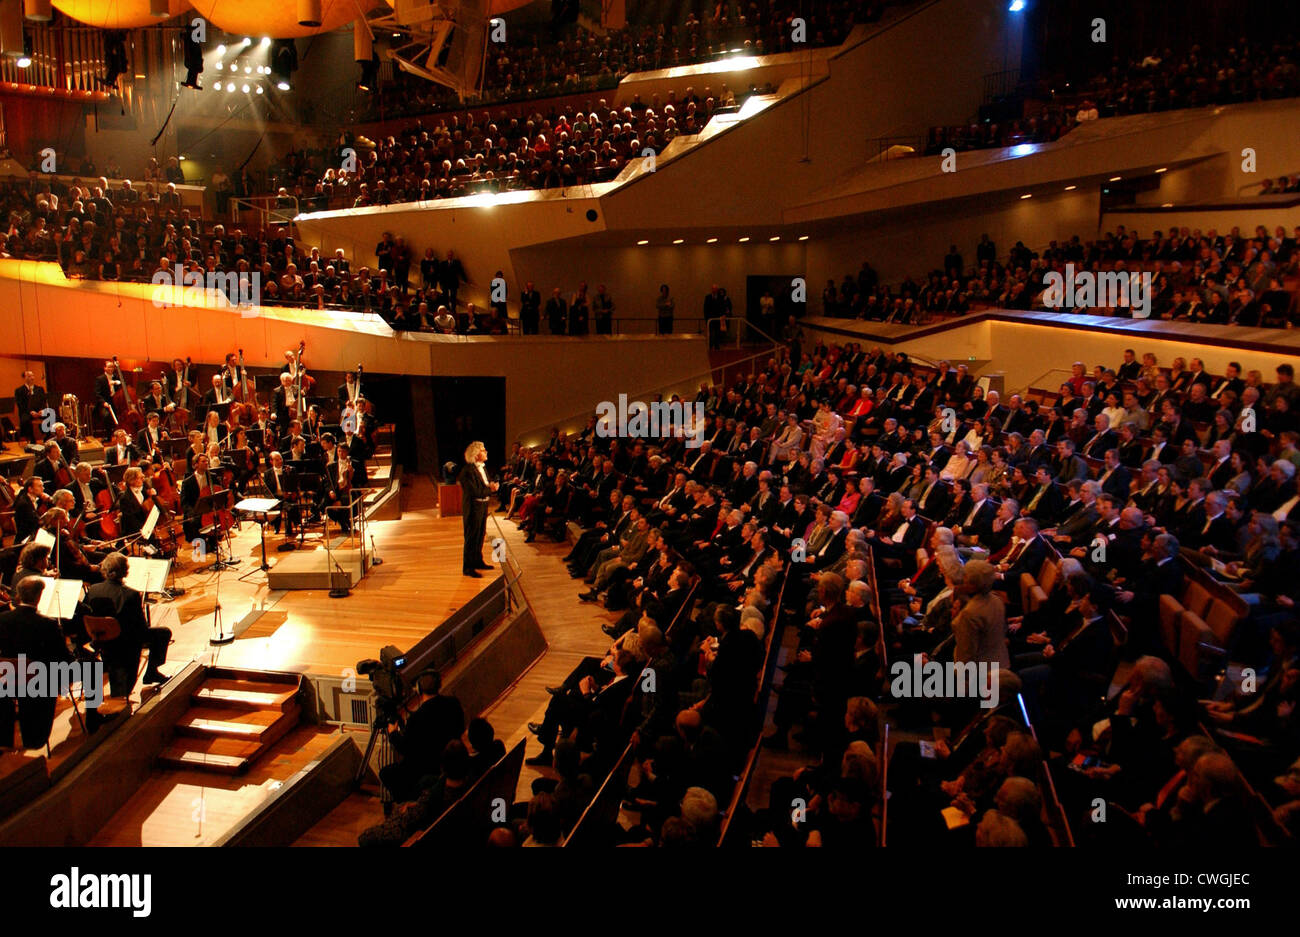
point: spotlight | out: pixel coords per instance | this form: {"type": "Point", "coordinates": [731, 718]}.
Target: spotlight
{"type": "Point", "coordinates": [247, 42]}
{"type": "Point", "coordinates": [219, 66]}
{"type": "Point", "coordinates": [642, 243]}
{"type": "Point", "coordinates": [248, 69]}
{"type": "Point", "coordinates": [744, 240]}
{"type": "Point", "coordinates": [775, 238]}
{"type": "Point", "coordinates": [259, 89]}
{"type": "Point", "coordinates": [711, 241]}
{"type": "Point", "coordinates": [244, 89]}
{"type": "Point", "coordinates": [221, 50]}
{"type": "Point", "coordinates": [216, 86]}
{"type": "Point", "coordinates": [1027, 195]}
{"type": "Point", "coordinates": [230, 87]}
{"type": "Point", "coordinates": [1016, 6]}
{"type": "Point", "coordinates": [1162, 169]}
{"type": "Point", "coordinates": [1070, 188]}
{"type": "Point", "coordinates": [803, 237]}
{"type": "Point", "coordinates": [1116, 178]}
{"type": "Point", "coordinates": [284, 62]}
{"type": "Point", "coordinates": [680, 241]}
{"type": "Point", "coordinates": [266, 41]}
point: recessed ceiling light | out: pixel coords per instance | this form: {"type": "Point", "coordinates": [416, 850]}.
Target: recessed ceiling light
{"type": "Point", "coordinates": [221, 50]}
{"type": "Point", "coordinates": [775, 237]}
{"type": "Point", "coordinates": [1027, 195]}
{"type": "Point", "coordinates": [259, 89]}
{"type": "Point", "coordinates": [1070, 188]}
{"type": "Point", "coordinates": [679, 241]}
{"type": "Point", "coordinates": [803, 237]}
{"type": "Point", "coordinates": [1167, 205]}
{"type": "Point", "coordinates": [1163, 169]}
{"type": "Point", "coordinates": [744, 240]}
{"type": "Point", "coordinates": [711, 241]}
{"type": "Point", "coordinates": [220, 66]}
{"type": "Point", "coordinates": [642, 243]}
{"type": "Point", "coordinates": [1116, 178]}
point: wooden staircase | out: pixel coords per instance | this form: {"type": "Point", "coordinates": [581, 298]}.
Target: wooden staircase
{"type": "Point", "coordinates": [234, 716]}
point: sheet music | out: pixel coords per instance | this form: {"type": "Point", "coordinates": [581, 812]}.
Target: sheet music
{"type": "Point", "coordinates": [146, 575]}
{"type": "Point", "coordinates": [44, 538]}
{"type": "Point", "coordinates": [257, 505]}
{"type": "Point", "coordinates": [150, 523]}
{"type": "Point", "coordinates": [59, 598]}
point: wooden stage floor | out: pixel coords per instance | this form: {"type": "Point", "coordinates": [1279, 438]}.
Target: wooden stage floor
{"type": "Point", "coordinates": [305, 631]}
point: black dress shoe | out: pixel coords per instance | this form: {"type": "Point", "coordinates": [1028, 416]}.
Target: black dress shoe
{"type": "Point", "coordinates": [154, 676]}
{"type": "Point", "coordinates": [530, 538]}
{"type": "Point", "coordinates": [539, 761]}
{"type": "Point", "coordinates": [609, 630]}
{"type": "Point", "coordinates": [555, 690]}
{"type": "Point", "coordinates": [588, 596]}
{"type": "Point", "coordinates": [534, 727]}
{"type": "Point", "coordinates": [483, 566]}
{"type": "Point", "coordinates": [472, 573]}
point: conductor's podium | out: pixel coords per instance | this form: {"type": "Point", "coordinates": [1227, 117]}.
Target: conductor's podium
{"type": "Point", "coordinates": [449, 500]}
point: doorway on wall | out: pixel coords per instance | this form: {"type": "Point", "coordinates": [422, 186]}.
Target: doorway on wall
{"type": "Point", "coordinates": [781, 290]}
{"type": "Point", "coordinates": [466, 409]}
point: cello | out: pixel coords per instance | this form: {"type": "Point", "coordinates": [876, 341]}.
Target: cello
{"type": "Point", "coordinates": [125, 408]}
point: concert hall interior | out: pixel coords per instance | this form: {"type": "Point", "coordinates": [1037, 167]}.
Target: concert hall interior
{"type": "Point", "coordinates": [857, 423]}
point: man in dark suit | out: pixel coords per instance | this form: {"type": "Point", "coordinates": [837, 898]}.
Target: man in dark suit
{"type": "Point", "coordinates": [1220, 471]}
{"type": "Point", "coordinates": [31, 400]}
{"type": "Point", "coordinates": [50, 464]}
{"type": "Point", "coordinates": [276, 480]}
{"type": "Point", "coordinates": [1026, 555]}
{"type": "Point", "coordinates": [421, 738]}
{"type": "Point", "coordinates": [475, 490]}
{"type": "Point", "coordinates": [23, 631]}
{"type": "Point", "coordinates": [976, 524]}
{"type": "Point", "coordinates": [121, 451]}
{"type": "Point", "coordinates": [530, 309]}
{"type": "Point", "coordinates": [150, 437]}
{"type": "Point", "coordinates": [106, 385]}
{"type": "Point", "coordinates": [1115, 479]}
{"type": "Point", "coordinates": [1104, 438]}
{"type": "Point", "coordinates": [557, 312]}
{"type": "Point", "coordinates": [112, 599]}
{"type": "Point", "coordinates": [600, 692]}
{"type": "Point", "coordinates": [1046, 501]}
{"type": "Point", "coordinates": [28, 507]}
{"type": "Point", "coordinates": [902, 544]}
{"type": "Point", "coordinates": [1215, 529]}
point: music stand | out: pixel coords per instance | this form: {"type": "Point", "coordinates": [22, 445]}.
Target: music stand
{"type": "Point", "coordinates": [212, 504]}
{"type": "Point", "coordinates": [336, 591]}
{"type": "Point", "coordinates": [259, 508]}
{"type": "Point", "coordinates": [291, 489]}
{"type": "Point", "coordinates": [309, 483]}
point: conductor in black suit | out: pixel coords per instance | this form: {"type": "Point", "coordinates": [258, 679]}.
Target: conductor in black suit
{"type": "Point", "coordinates": [475, 489]}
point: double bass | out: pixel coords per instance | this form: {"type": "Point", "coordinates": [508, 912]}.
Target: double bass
{"type": "Point", "coordinates": [244, 394]}
{"type": "Point", "coordinates": [125, 406]}
{"type": "Point", "coordinates": [181, 415]}
{"type": "Point", "coordinates": [302, 383]}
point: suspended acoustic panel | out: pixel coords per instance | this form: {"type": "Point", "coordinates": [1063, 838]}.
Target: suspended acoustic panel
{"type": "Point", "coordinates": [118, 14]}
{"type": "Point", "coordinates": [278, 19]}
{"type": "Point", "coordinates": [494, 7]}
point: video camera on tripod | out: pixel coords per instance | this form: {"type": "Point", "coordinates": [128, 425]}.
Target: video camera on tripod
{"type": "Point", "coordinates": [386, 680]}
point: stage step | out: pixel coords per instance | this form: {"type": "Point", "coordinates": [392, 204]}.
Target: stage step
{"type": "Point", "coordinates": [235, 715]}
{"type": "Point", "coordinates": [264, 726]}
{"type": "Point", "coordinates": [222, 755]}
{"type": "Point", "coordinates": [242, 693]}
